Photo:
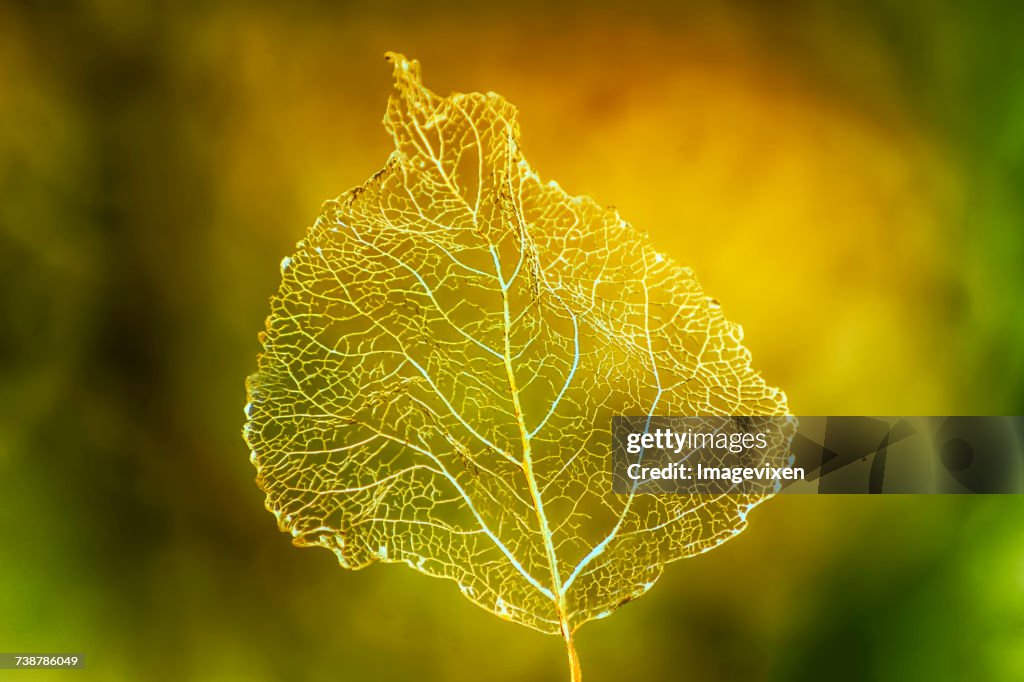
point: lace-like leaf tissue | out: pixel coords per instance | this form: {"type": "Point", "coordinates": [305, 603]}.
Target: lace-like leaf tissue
{"type": "Point", "coordinates": [442, 362]}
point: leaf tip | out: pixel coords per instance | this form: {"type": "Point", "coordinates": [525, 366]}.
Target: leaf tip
{"type": "Point", "coordinates": [407, 71]}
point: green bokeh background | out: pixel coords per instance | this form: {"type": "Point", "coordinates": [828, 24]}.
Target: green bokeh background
{"type": "Point", "coordinates": [846, 179]}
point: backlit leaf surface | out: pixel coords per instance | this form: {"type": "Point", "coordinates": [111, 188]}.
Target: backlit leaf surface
{"type": "Point", "coordinates": [443, 359]}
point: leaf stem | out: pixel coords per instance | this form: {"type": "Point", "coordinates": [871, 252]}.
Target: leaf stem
{"type": "Point", "coordinates": [575, 673]}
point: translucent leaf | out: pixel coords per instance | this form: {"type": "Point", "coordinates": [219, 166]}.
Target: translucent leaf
{"type": "Point", "coordinates": [442, 362]}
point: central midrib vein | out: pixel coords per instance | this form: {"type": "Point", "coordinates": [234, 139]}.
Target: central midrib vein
{"type": "Point", "coordinates": [527, 461]}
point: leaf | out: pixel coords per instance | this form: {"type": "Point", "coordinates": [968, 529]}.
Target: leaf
{"type": "Point", "coordinates": [442, 362]}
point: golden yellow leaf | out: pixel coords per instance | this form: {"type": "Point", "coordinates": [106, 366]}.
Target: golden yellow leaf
{"type": "Point", "coordinates": [442, 362]}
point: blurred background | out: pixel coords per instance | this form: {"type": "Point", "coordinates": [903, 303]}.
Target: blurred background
{"type": "Point", "coordinates": [846, 180]}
